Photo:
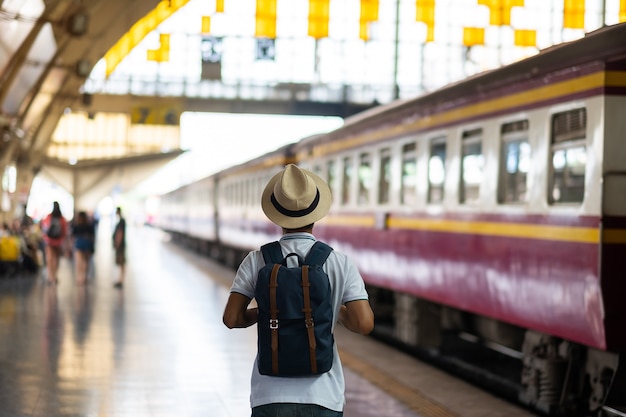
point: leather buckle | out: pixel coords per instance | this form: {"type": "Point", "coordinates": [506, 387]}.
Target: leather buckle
{"type": "Point", "coordinates": [273, 324]}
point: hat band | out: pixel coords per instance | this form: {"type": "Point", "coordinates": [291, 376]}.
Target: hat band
{"type": "Point", "coordinates": [296, 213]}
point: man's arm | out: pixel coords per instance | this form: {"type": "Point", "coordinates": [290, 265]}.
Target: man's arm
{"type": "Point", "coordinates": [357, 316]}
{"type": "Point", "coordinates": [237, 313]}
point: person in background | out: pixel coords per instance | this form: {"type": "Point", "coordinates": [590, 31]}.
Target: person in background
{"type": "Point", "coordinates": [54, 227]}
{"type": "Point", "coordinates": [26, 220]}
{"type": "Point", "coordinates": [294, 199]}
{"type": "Point", "coordinates": [119, 244]}
{"type": "Point", "coordinates": [31, 244]}
{"type": "Point", "coordinates": [5, 230]}
{"type": "Point", "coordinates": [83, 235]}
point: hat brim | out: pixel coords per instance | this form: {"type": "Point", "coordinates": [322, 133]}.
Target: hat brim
{"type": "Point", "coordinates": [288, 222]}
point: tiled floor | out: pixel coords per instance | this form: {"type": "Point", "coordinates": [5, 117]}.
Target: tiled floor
{"type": "Point", "coordinates": [155, 348]}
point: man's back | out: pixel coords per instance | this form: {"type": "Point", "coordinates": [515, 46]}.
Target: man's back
{"type": "Point", "coordinates": [346, 286]}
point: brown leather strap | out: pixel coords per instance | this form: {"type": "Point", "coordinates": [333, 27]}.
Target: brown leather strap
{"type": "Point", "coordinates": [274, 317]}
{"type": "Point", "coordinates": [308, 318]}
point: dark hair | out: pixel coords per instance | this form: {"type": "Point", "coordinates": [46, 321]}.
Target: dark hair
{"type": "Point", "coordinates": [82, 217]}
{"type": "Point", "coordinates": [56, 209]}
{"type": "Point", "coordinates": [307, 229]}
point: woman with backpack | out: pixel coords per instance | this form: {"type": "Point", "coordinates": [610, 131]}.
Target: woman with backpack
{"type": "Point", "coordinates": [54, 228]}
{"type": "Point", "coordinates": [83, 233]}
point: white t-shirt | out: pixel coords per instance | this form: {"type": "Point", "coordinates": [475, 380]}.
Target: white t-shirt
{"type": "Point", "coordinates": [347, 285]}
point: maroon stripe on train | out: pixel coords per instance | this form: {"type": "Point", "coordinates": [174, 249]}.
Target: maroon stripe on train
{"type": "Point", "coordinates": [548, 286]}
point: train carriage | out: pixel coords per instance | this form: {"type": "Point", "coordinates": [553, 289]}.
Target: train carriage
{"type": "Point", "coordinates": [493, 209]}
{"type": "Point", "coordinates": [499, 204]}
{"type": "Point", "coordinates": [242, 227]}
{"type": "Point", "coordinates": [219, 215]}
{"type": "Point", "coordinates": [189, 212]}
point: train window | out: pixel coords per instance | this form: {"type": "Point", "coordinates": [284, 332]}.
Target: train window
{"type": "Point", "coordinates": [330, 175]}
{"type": "Point", "coordinates": [365, 179]}
{"type": "Point", "coordinates": [408, 186]}
{"type": "Point", "coordinates": [384, 176]}
{"type": "Point", "coordinates": [569, 157]}
{"type": "Point", "coordinates": [242, 193]}
{"type": "Point", "coordinates": [514, 163]}
{"type": "Point", "coordinates": [251, 193]}
{"type": "Point", "coordinates": [254, 193]}
{"type": "Point", "coordinates": [229, 194]}
{"type": "Point", "coordinates": [346, 180]}
{"type": "Point", "coordinates": [436, 170]}
{"type": "Point", "coordinates": [472, 161]}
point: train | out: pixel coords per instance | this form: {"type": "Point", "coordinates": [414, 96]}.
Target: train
{"type": "Point", "coordinates": [493, 209]}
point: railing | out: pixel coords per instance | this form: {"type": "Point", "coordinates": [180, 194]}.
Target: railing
{"type": "Point", "coordinates": [211, 89]}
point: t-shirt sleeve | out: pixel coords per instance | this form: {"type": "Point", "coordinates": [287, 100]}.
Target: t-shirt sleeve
{"type": "Point", "coordinates": [355, 286]}
{"type": "Point", "coordinates": [245, 279]}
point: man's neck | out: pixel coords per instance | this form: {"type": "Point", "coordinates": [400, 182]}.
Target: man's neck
{"type": "Point", "coordinates": [301, 230]}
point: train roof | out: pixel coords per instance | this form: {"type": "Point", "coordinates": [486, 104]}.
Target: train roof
{"type": "Point", "coordinates": [606, 45]}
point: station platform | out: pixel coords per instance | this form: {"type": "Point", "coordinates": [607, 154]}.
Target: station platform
{"type": "Point", "coordinates": [157, 347]}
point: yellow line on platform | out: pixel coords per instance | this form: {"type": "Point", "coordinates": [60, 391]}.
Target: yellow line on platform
{"type": "Point", "coordinates": [413, 399]}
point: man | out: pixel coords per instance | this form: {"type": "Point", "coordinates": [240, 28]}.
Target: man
{"type": "Point", "coordinates": [295, 199]}
{"type": "Point", "coordinates": [119, 244]}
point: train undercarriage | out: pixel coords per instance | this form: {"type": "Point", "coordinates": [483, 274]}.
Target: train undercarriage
{"type": "Point", "coordinates": [549, 375]}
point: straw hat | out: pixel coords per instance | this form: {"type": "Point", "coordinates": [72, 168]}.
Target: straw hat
{"type": "Point", "coordinates": [295, 197]}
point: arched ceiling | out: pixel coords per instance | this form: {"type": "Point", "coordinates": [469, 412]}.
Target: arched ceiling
{"type": "Point", "coordinates": [42, 75]}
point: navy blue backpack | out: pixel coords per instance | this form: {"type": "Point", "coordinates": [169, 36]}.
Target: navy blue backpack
{"type": "Point", "coordinates": [295, 313]}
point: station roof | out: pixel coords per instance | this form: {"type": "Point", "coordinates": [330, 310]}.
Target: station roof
{"type": "Point", "coordinates": [47, 49]}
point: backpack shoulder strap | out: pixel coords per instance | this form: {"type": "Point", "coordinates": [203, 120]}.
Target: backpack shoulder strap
{"type": "Point", "coordinates": [272, 253]}
{"type": "Point", "coordinates": [318, 254]}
